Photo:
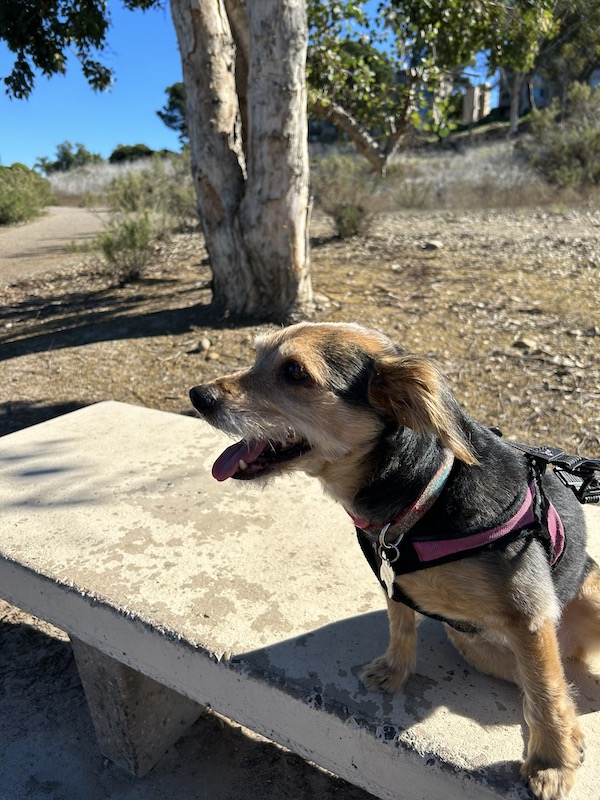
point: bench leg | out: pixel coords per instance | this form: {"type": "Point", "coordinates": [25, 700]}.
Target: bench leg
{"type": "Point", "coordinates": [136, 719]}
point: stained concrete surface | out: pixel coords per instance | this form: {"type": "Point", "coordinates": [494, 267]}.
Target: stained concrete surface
{"type": "Point", "coordinates": [145, 530]}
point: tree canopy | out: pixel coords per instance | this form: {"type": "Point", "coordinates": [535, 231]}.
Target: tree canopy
{"type": "Point", "coordinates": [173, 111]}
{"type": "Point", "coordinates": [573, 53]}
{"type": "Point", "coordinates": [377, 77]}
{"type": "Point", "coordinates": [41, 35]}
{"type": "Point", "coordinates": [68, 156]}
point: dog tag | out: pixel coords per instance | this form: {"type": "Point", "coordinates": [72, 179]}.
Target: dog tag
{"type": "Point", "coordinates": [386, 575]}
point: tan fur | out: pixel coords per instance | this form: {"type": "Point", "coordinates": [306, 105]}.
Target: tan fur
{"type": "Point", "coordinates": [519, 621]}
{"type": "Point", "coordinates": [579, 633]}
{"type": "Point", "coordinates": [408, 388]}
{"type": "Point", "coordinates": [390, 671]}
{"type": "Point", "coordinates": [492, 658]}
{"type": "Point", "coordinates": [556, 742]}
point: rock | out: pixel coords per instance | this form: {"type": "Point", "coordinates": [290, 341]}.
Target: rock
{"type": "Point", "coordinates": [321, 301]}
{"type": "Point", "coordinates": [204, 344]}
{"type": "Point", "coordinates": [525, 343]}
{"type": "Point", "coordinates": [433, 244]}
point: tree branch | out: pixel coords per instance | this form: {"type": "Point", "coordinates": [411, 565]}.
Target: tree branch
{"type": "Point", "coordinates": [338, 116]}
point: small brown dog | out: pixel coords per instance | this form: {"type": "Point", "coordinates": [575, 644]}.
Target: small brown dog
{"type": "Point", "coordinates": [455, 522]}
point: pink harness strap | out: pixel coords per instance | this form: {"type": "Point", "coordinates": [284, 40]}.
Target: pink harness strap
{"type": "Point", "coordinates": [430, 551]}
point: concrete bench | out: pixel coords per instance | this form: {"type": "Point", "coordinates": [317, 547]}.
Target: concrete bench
{"type": "Point", "coordinates": [178, 592]}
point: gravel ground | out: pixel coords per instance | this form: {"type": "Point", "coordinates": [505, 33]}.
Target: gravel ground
{"type": "Point", "coordinates": [506, 302]}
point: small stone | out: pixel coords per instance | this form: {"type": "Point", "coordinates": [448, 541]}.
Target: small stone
{"type": "Point", "coordinates": [433, 244]}
{"type": "Point", "coordinates": [525, 343]}
{"type": "Point", "coordinates": [321, 301]}
{"type": "Point", "coordinates": [204, 344]}
{"type": "Point", "coordinates": [213, 356]}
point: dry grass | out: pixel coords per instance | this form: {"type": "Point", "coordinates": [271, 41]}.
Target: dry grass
{"type": "Point", "coordinates": [489, 175]}
{"type": "Point", "coordinates": [77, 187]}
{"type": "Point", "coordinates": [492, 175]}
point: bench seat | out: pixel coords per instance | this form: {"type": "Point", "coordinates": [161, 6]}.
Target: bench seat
{"type": "Point", "coordinates": [178, 592]}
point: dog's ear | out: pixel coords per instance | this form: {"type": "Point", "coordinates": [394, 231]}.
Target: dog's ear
{"type": "Point", "coordinates": [411, 390]}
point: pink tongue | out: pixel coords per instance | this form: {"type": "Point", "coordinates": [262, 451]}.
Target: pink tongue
{"type": "Point", "coordinates": [227, 463]}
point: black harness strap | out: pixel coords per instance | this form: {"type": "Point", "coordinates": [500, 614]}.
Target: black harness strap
{"type": "Point", "coordinates": [537, 458]}
{"type": "Point", "coordinates": [582, 475]}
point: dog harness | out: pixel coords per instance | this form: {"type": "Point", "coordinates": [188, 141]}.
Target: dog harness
{"type": "Point", "coordinates": [391, 551]}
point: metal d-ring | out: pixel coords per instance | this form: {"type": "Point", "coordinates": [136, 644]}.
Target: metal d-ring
{"type": "Point", "coordinates": [389, 552]}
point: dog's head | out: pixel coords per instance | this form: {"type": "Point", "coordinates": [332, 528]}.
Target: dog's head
{"type": "Point", "coordinates": [318, 397]}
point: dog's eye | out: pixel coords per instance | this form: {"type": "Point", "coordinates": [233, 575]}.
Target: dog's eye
{"type": "Point", "coordinates": [295, 371]}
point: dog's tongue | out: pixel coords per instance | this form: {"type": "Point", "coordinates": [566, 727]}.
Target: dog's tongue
{"type": "Point", "coordinates": [227, 463]}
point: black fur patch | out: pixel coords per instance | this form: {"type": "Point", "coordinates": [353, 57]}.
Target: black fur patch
{"type": "Point", "coordinates": [350, 370]}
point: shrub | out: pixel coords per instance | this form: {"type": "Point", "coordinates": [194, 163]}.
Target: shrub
{"type": "Point", "coordinates": [132, 192]}
{"type": "Point", "coordinates": [130, 152]}
{"type": "Point", "coordinates": [23, 194]}
{"type": "Point", "coordinates": [146, 204]}
{"type": "Point", "coordinates": [68, 157]}
{"type": "Point", "coordinates": [567, 152]}
{"type": "Point", "coordinates": [126, 245]}
{"type": "Point", "coordinates": [346, 190]}
{"type": "Point", "coordinates": [164, 189]}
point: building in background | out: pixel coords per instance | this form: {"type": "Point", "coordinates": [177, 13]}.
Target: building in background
{"type": "Point", "coordinates": [476, 103]}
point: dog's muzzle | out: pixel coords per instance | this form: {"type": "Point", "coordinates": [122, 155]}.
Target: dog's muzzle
{"type": "Point", "coordinates": [204, 398]}
{"type": "Point", "coordinates": [249, 458]}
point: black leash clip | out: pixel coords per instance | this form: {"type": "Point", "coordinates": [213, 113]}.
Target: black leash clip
{"type": "Point", "coordinates": [581, 475]}
{"type": "Point", "coordinates": [583, 478]}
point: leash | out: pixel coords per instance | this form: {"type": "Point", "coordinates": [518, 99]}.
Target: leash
{"type": "Point", "coordinates": [581, 475]}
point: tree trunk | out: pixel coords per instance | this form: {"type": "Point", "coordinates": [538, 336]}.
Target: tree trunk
{"type": "Point", "coordinates": [515, 85]}
{"type": "Point", "coordinates": [531, 92]}
{"type": "Point", "coordinates": [251, 185]}
{"type": "Point", "coordinates": [238, 19]}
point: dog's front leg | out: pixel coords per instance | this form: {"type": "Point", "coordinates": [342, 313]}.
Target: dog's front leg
{"type": "Point", "coordinates": [555, 745]}
{"type": "Point", "coordinates": [390, 671]}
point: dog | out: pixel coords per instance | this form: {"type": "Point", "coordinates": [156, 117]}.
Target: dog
{"type": "Point", "coordinates": [381, 430]}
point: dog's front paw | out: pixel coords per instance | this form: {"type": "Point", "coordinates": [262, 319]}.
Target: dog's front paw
{"type": "Point", "coordinates": [554, 783]}
{"type": "Point", "coordinates": [382, 675]}
{"type": "Point", "coordinates": [551, 783]}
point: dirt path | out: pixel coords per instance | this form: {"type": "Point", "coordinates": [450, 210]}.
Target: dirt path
{"type": "Point", "coordinates": [36, 246]}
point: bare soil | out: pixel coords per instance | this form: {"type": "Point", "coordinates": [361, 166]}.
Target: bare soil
{"type": "Point", "coordinates": [507, 302]}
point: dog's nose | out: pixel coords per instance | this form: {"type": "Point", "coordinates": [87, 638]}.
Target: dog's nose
{"type": "Point", "coordinates": [204, 398]}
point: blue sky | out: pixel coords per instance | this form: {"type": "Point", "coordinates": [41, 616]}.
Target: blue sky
{"type": "Point", "coordinates": [142, 51]}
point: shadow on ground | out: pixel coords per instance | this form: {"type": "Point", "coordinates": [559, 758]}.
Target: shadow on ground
{"type": "Point", "coordinates": [17, 414]}
{"type": "Point", "coordinates": [48, 748]}
{"type": "Point", "coordinates": [148, 308]}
